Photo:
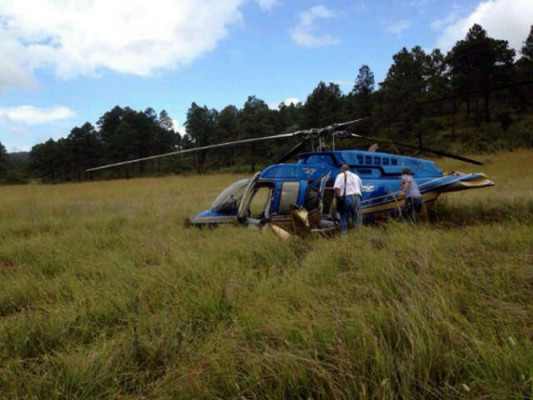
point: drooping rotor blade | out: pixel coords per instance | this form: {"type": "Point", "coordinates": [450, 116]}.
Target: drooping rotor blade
{"type": "Point", "coordinates": [212, 146]}
{"type": "Point", "coordinates": [291, 152]}
{"type": "Point", "coordinates": [410, 146]}
{"type": "Point", "coordinates": [450, 155]}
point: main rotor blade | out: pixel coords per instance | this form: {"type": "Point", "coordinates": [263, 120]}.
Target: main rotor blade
{"type": "Point", "coordinates": [312, 131]}
{"type": "Point", "coordinates": [212, 146]}
{"type": "Point", "coordinates": [410, 146]}
{"type": "Point", "coordinates": [340, 125]}
{"type": "Point", "coordinates": [335, 126]}
{"type": "Point", "coordinates": [291, 152]}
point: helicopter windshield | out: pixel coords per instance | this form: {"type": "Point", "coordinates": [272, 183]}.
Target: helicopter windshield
{"type": "Point", "coordinates": [228, 201]}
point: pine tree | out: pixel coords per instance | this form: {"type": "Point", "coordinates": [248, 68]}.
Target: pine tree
{"type": "Point", "coordinates": [527, 49]}
{"type": "Point", "coordinates": [200, 127]}
{"type": "Point", "coordinates": [324, 106]}
{"type": "Point", "coordinates": [4, 162]}
{"type": "Point", "coordinates": [227, 130]}
{"type": "Point", "coordinates": [361, 94]}
{"type": "Point", "coordinates": [477, 63]}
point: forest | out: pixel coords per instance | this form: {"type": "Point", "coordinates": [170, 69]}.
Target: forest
{"type": "Point", "coordinates": [476, 98]}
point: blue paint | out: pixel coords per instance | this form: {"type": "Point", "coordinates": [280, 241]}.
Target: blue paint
{"type": "Point", "coordinates": [380, 173]}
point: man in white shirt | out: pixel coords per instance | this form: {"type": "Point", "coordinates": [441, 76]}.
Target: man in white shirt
{"type": "Point", "coordinates": [348, 195]}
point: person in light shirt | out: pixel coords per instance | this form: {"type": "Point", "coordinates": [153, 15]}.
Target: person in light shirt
{"type": "Point", "coordinates": [413, 198]}
{"type": "Point", "coordinates": [348, 193]}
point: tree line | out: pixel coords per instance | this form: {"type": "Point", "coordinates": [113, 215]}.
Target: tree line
{"type": "Point", "coordinates": [477, 97]}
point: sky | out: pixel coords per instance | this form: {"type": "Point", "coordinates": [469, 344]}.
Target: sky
{"type": "Point", "coordinates": [65, 62]}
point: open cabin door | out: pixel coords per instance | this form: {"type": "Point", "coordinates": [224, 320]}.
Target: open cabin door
{"type": "Point", "coordinates": [242, 214]}
{"type": "Point", "coordinates": [323, 182]}
{"type": "Point", "coordinates": [314, 201]}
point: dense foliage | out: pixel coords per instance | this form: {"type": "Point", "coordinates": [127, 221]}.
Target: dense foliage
{"type": "Point", "coordinates": [122, 134]}
{"type": "Point", "coordinates": [475, 98]}
{"type": "Point", "coordinates": [3, 161]}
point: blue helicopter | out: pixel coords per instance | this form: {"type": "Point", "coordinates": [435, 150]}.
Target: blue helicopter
{"type": "Point", "coordinates": [292, 195]}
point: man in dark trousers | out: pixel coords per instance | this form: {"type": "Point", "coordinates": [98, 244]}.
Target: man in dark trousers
{"type": "Point", "coordinates": [348, 193]}
{"type": "Point", "coordinates": [413, 198]}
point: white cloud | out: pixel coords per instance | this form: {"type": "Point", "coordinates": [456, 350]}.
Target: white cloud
{"type": "Point", "coordinates": [502, 19]}
{"type": "Point", "coordinates": [266, 5]}
{"type": "Point", "coordinates": [304, 33]}
{"type": "Point", "coordinates": [16, 149]}
{"type": "Point", "coordinates": [399, 27]}
{"type": "Point", "coordinates": [11, 74]}
{"type": "Point", "coordinates": [128, 36]}
{"type": "Point", "coordinates": [30, 115]}
{"type": "Point", "coordinates": [178, 127]}
{"type": "Point", "coordinates": [288, 101]}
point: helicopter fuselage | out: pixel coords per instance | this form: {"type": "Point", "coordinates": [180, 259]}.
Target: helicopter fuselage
{"type": "Point", "coordinates": [292, 185]}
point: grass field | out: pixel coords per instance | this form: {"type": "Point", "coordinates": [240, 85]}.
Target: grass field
{"type": "Point", "coordinates": [105, 294]}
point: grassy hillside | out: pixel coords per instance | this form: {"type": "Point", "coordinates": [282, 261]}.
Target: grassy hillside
{"type": "Point", "coordinates": [105, 294]}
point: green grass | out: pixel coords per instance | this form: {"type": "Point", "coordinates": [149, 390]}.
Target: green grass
{"type": "Point", "coordinates": [105, 294]}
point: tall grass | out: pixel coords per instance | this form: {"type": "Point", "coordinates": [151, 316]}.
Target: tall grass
{"type": "Point", "coordinates": [105, 294]}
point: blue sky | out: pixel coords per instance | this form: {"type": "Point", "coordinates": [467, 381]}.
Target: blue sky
{"type": "Point", "coordinates": [66, 62]}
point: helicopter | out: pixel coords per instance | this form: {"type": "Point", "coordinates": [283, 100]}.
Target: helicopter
{"type": "Point", "coordinates": [299, 197]}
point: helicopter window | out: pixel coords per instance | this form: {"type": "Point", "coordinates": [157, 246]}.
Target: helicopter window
{"type": "Point", "coordinates": [368, 160]}
{"type": "Point", "coordinates": [289, 195]}
{"type": "Point", "coordinates": [359, 159]}
{"type": "Point", "coordinates": [377, 160]}
{"type": "Point", "coordinates": [319, 159]}
{"type": "Point", "coordinates": [385, 161]}
{"type": "Point", "coordinates": [394, 161]}
{"type": "Point", "coordinates": [228, 201]}
{"type": "Point", "coordinates": [280, 171]}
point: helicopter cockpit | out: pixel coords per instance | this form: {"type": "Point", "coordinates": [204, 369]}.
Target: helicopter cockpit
{"type": "Point", "coordinates": [229, 200]}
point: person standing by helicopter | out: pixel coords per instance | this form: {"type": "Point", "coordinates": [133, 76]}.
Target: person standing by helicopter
{"type": "Point", "coordinates": [348, 196]}
{"type": "Point", "coordinates": [413, 198]}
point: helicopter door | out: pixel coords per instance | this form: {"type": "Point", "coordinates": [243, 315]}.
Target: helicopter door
{"type": "Point", "coordinates": [242, 213]}
{"type": "Point", "coordinates": [314, 200]}
{"type": "Point", "coordinates": [323, 182]}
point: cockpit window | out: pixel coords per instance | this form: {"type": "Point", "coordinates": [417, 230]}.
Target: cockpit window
{"type": "Point", "coordinates": [319, 159]}
{"type": "Point", "coordinates": [228, 201]}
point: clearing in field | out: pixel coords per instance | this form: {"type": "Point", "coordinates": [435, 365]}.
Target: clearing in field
{"type": "Point", "coordinates": [105, 294]}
